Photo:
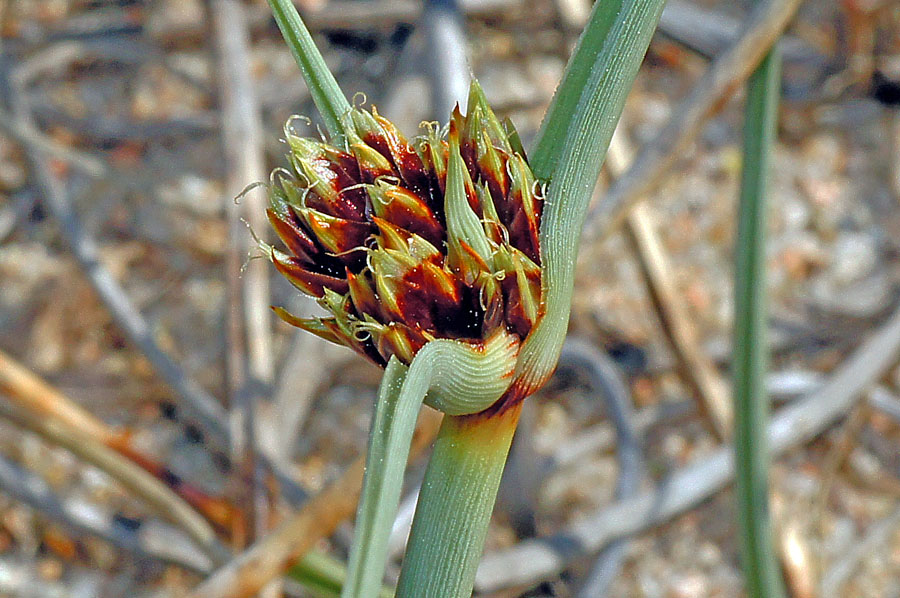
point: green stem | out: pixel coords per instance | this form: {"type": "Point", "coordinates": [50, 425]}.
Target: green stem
{"type": "Point", "coordinates": [326, 93]}
{"type": "Point", "coordinates": [455, 504]}
{"type": "Point", "coordinates": [588, 123]}
{"type": "Point", "coordinates": [462, 478]}
{"type": "Point", "coordinates": [453, 376]}
{"type": "Point", "coordinates": [324, 575]}
{"type": "Point", "coordinates": [761, 571]}
{"type": "Point", "coordinates": [548, 145]}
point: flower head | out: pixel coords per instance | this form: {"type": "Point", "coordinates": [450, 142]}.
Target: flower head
{"type": "Point", "coordinates": [408, 241]}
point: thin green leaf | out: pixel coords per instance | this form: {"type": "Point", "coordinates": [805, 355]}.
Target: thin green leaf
{"type": "Point", "coordinates": [329, 99]}
{"type": "Point", "coordinates": [761, 571]}
{"type": "Point", "coordinates": [324, 576]}
{"type": "Point", "coordinates": [389, 440]}
{"type": "Point", "coordinates": [548, 145]}
{"type": "Point", "coordinates": [588, 122]}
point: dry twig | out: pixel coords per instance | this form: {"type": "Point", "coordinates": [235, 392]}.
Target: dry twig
{"type": "Point", "coordinates": [271, 556]}
{"type": "Point", "coordinates": [29, 392]}
{"type": "Point", "coordinates": [202, 405]}
{"type": "Point", "coordinates": [208, 411]}
{"type": "Point", "coordinates": [90, 164]}
{"type": "Point", "coordinates": [886, 402]}
{"type": "Point", "coordinates": [794, 552]}
{"type": "Point", "coordinates": [156, 494]}
{"type": "Point", "coordinates": [249, 353]}
{"type": "Point", "coordinates": [693, 364]}
{"type": "Point", "coordinates": [708, 31]}
{"type": "Point", "coordinates": [103, 130]}
{"type": "Point", "coordinates": [152, 539]}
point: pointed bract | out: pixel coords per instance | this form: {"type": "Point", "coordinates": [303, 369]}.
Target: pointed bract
{"type": "Point", "coordinates": [316, 326]}
{"type": "Point", "coordinates": [406, 210]}
{"type": "Point", "coordinates": [288, 230]}
{"type": "Point", "coordinates": [308, 281]}
{"type": "Point", "coordinates": [523, 209]}
{"type": "Point", "coordinates": [331, 185]}
{"type": "Point", "coordinates": [337, 235]}
{"type": "Point", "coordinates": [392, 236]}
{"type": "Point", "coordinates": [363, 294]}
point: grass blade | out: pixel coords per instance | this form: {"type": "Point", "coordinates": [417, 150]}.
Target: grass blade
{"type": "Point", "coordinates": [329, 99]}
{"type": "Point", "coordinates": [389, 440]}
{"type": "Point", "coordinates": [588, 122]}
{"type": "Point", "coordinates": [761, 571]}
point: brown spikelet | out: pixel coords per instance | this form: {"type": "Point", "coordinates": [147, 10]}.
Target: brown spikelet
{"type": "Point", "coordinates": [398, 253]}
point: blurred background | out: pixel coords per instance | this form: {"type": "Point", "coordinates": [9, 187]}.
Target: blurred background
{"type": "Point", "coordinates": [157, 418]}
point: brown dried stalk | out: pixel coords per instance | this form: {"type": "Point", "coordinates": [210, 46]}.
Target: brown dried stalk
{"type": "Point", "coordinates": [32, 394]}
{"type": "Point", "coordinates": [276, 553]}
{"type": "Point", "coordinates": [249, 339]}
{"type": "Point", "coordinates": [153, 492]}
{"type": "Point", "coordinates": [694, 365]}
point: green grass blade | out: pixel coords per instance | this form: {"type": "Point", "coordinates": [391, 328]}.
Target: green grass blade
{"type": "Point", "coordinates": [761, 571]}
{"type": "Point", "coordinates": [551, 137]}
{"type": "Point", "coordinates": [329, 99]}
{"type": "Point", "coordinates": [389, 440]}
{"type": "Point", "coordinates": [588, 123]}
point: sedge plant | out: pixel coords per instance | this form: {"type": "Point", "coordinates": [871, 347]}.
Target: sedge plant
{"type": "Point", "coordinates": [448, 260]}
